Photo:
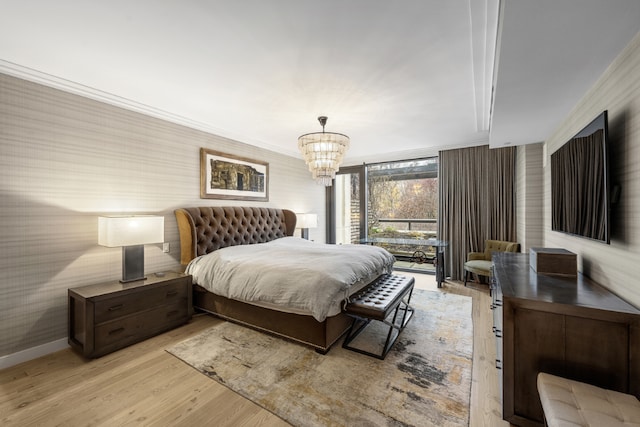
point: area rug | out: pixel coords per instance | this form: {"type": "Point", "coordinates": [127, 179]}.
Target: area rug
{"type": "Point", "coordinates": [425, 379]}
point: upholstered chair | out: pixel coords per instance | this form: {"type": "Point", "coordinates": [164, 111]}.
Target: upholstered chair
{"type": "Point", "coordinates": [479, 263]}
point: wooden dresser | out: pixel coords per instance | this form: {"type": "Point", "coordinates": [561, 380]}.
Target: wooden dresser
{"type": "Point", "coordinates": [109, 316]}
{"type": "Point", "coordinates": [566, 326]}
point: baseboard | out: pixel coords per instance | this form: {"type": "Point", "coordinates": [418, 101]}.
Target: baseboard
{"type": "Point", "coordinates": [32, 353]}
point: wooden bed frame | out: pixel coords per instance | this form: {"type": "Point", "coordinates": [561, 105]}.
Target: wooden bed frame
{"type": "Point", "coordinates": [206, 229]}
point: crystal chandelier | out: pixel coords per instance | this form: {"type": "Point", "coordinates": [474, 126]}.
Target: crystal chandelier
{"type": "Point", "coordinates": [323, 152]}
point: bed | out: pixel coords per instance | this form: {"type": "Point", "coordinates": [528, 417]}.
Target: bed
{"type": "Point", "coordinates": [212, 234]}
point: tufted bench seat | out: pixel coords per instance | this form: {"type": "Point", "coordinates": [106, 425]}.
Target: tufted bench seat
{"type": "Point", "coordinates": [383, 298]}
{"type": "Point", "coordinates": [568, 403]}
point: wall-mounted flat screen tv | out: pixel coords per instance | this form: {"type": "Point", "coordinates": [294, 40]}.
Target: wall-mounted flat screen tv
{"type": "Point", "coordinates": [580, 183]}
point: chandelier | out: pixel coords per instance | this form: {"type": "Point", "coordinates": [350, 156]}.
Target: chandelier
{"type": "Point", "coordinates": [323, 152]}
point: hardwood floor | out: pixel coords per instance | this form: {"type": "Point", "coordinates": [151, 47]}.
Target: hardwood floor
{"type": "Point", "coordinates": [144, 385]}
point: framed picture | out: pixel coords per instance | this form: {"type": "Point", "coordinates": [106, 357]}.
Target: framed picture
{"type": "Point", "coordinates": [225, 176]}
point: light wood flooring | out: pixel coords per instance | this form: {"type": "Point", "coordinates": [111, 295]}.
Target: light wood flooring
{"type": "Point", "coordinates": [144, 385]}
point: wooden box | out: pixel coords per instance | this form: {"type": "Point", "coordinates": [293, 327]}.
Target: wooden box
{"type": "Point", "coordinates": [553, 261]}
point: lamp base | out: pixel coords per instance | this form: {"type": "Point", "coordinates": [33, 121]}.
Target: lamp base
{"type": "Point", "coordinates": [304, 233]}
{"type": "Point", "coordinates": [132, 263]}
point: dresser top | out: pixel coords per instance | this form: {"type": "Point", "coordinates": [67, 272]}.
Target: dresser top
{"type": "Point", "coordinates": [518, 280]}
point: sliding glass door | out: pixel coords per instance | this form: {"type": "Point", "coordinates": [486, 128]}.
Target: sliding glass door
{"type": "Point", "coordinates": [402, 211]}
{"type": "Point", "coordinates": [390, 203]}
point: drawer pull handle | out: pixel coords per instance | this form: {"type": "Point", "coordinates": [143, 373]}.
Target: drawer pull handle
{"type": "Point", "coordinates": [498, 364]}
{"type": "Point", "coordinates": [115, 307]}
{"type": "Point", "coordinates": [498, 333]}
{"type": "Point", "coordinates": [172, 293]}
{"type": "Point", "coordinates": [116, 331]}
{"type": "Point", "coordinates": [172, 313]}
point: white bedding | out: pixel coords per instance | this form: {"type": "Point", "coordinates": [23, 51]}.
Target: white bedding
{"type": "Point", "coordinates": [292, 273]}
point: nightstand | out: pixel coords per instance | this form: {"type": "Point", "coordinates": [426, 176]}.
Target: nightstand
{"type": "Point", "coordinates": [109, 316]}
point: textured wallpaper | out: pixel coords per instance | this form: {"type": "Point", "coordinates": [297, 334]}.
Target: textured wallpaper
{"type": "Point", "coordinates": [618, 91]}
{"type": "Point", "coordinates": [529, 189]}
{"type": "Point", "coordinates": [64, 160]}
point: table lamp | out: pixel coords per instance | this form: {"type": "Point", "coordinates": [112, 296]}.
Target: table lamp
{"type": "Point", "coordinates": [132, 233]}
{"type": "Point", "coordinates": [305, 221]}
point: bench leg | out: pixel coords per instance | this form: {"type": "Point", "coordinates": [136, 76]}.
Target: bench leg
{"type": "Point", "coordinates": [359, 324]}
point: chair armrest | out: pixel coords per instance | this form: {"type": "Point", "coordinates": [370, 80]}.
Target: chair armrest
{"type": "Point", "coordinates": [475, 256]}
{"type": "Point", "coordinates": [513, 247]}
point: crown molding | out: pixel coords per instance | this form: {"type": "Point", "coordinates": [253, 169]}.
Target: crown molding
{"type": "Point", "coordinates": [69, 86]}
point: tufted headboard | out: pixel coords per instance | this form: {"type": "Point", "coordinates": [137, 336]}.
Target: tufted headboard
{"type": "Point", "coordinates": [203, 230]}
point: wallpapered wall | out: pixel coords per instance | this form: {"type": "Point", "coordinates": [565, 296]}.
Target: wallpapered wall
{"type": "Point", "coordinates": [618, 91]}
{"type": "Point", "coordinates": [64, 160]}
{"type": "Point", "coordinates": [529, 188]}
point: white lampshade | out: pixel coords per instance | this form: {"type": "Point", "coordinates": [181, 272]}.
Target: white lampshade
{"type": "Point", "coordinates": [114, 231]}
{"type": "Point", "coordinates": [306, 220]}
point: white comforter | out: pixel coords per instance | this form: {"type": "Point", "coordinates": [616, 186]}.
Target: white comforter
{"type": "Point", "coordinates": [290, 272]}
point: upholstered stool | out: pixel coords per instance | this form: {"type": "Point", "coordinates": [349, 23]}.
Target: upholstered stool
{"type": "Point", "coordinates": [568, 403]}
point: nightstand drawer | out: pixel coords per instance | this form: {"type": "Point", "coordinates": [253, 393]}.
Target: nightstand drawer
{"type": "Point", "coordinates": [119, 333]}
{"type": "Point", "coordinates": [123, 305]}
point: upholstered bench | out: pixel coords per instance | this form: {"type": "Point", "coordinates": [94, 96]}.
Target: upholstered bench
{"type": "Point", "coordinates": [571, 403]}
{"type": "Point", "coordinates": [384, 298]}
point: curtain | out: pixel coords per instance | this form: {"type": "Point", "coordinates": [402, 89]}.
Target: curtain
{"type": "Point", "coordinates": [477, 201]}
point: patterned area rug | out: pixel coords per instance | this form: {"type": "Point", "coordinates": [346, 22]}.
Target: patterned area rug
{"type": "Point", "coordinates": [425, 379]}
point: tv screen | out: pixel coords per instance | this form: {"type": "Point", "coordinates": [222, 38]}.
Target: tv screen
{"type": "Point", "coordinates": [580, 183]}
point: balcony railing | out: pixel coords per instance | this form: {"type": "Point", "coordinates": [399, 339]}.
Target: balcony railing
{"type": "Point", "coordinates": [415, 229]}
{"type": "Point", "coordinates": [408, 221]}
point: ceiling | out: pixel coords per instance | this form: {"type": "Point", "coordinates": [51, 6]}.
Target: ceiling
{"type": "Point", "coordinates": [403, 79]}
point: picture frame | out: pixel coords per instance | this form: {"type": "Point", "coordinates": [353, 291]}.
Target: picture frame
{"type": "Point", "coordinates": [227, 176]}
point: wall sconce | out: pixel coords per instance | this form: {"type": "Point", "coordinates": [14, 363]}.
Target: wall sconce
{"type": "Point", "coordinates": [132, 233]}
{"type": "Point", "coordinates": [305, 221]}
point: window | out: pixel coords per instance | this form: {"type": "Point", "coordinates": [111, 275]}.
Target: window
{"type": "Point", "coordinates": [396, 200]}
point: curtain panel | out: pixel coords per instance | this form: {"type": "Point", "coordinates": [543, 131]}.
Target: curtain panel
{"type": "Point", "coordinates": [477, 201]}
